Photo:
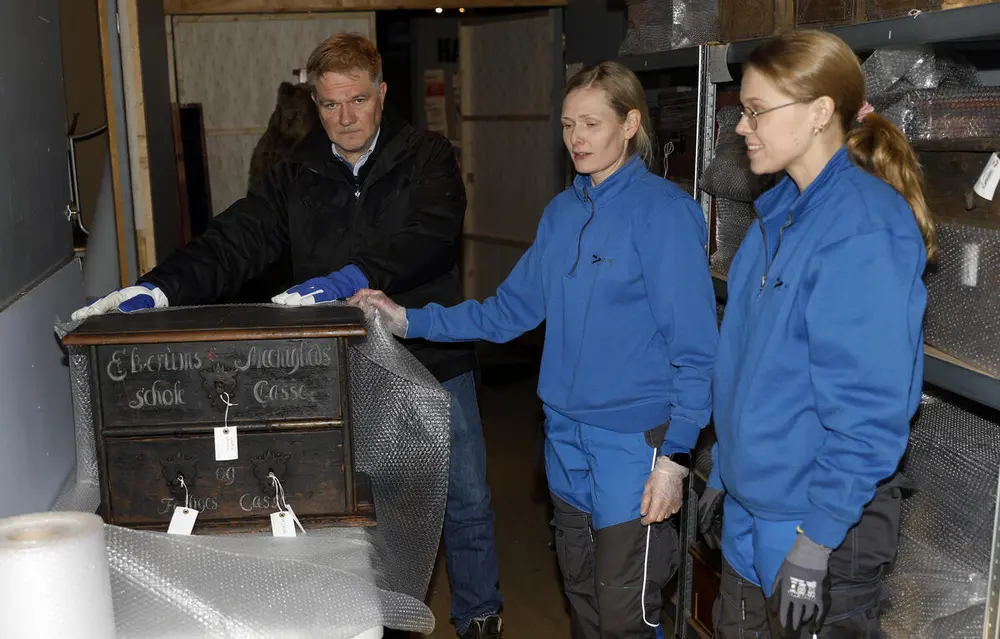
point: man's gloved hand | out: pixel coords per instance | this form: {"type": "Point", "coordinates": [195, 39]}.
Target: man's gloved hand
{"type": "Point", "coordinates": [710, 516]}
{"type": "Point", "coordinates": [126, 300]}
{"type": "Point", "coordinates": [393, 315]}
{"type": "Point", "coordinates": [664, 491]}
{"type": "Point", "coordinates": [335, 286]}
{"type": "Point", "coordinates": [799, 590]}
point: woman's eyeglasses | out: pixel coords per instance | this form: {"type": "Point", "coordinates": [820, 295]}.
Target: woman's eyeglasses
{"type": "Point", "coordinates": [752, 115]}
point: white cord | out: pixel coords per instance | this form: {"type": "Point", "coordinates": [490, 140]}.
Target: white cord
{"type": "Point", "coordinates": [645, 561]}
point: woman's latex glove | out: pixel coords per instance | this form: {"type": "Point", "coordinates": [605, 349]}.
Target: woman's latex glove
{"type": "Point", "coordinates": [664, 491]}
{"type": "Point", "coordinates": [393, 315]}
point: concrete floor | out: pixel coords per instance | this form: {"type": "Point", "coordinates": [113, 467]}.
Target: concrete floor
{"type": "Point", "coordinates": [534, 605]}
{"type": "Point", "coordinates": [529, 576]}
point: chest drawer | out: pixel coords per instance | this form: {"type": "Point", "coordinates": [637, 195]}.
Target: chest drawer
{"type": "Point", "coordinates": [162, 383]}
{"type": "Point", "coordinates": [191, 383]}
{"type": "Point", "coordinates": [309, 464]}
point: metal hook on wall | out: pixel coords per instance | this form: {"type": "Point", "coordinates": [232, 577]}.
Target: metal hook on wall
{"type": "Point", "coordinates": [72, 138]}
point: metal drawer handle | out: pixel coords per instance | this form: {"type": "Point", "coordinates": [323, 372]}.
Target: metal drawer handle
{"type": "Point", "coordinates": [270, 462]}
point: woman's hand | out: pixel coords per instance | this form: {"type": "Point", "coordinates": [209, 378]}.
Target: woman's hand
{"type": "Point", "coordinates": [393, 315]}
{"type": "Point", "coordinates": [664, 491]}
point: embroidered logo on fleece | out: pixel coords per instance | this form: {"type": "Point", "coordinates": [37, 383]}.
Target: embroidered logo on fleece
{"type": "Point", "coordinates": [597, 259]}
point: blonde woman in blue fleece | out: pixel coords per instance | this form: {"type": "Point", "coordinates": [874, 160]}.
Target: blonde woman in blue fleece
{"type": "Point", "coordinates": [820, 360]}
{"type": "Point", "coordinates": [618, 272]}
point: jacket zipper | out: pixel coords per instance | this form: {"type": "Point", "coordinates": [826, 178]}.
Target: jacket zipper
{"type": "Point", "coordinates": [767, 259]}
{"type": "Point", "coordinates": [579, 241]}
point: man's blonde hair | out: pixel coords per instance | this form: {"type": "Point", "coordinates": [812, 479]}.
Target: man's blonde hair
{"type": "Point", "coordinates": [345, 53]}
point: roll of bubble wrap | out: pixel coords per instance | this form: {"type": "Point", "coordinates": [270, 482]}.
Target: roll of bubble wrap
{"type": "Point", "coordinates": [54, 578]}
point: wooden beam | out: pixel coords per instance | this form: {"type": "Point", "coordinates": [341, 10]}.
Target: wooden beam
{"type": "Point", "coordinates": [135, 114]}
{"type": "Point", "coordinates": [200, 7]}
{"type": "Point", "coordinates": [113, 133]}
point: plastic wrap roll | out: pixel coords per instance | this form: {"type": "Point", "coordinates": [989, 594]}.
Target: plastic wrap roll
{"type": "Point", "coordinates": [54, 578]}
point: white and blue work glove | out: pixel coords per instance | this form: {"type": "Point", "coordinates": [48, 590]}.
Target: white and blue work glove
{"type": "Point", "coordinates": [392, 314]}
{"type": "Point", "coordinates": [126, 300]}
{"type": "Point", "coordinates": [800, 588]}
{"type": "Point", "coordinates": [338, 285]}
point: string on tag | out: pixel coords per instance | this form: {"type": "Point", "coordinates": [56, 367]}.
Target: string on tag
{"type": "Point", "coordinates": [279, 492]}
{"type": "Point", "coordinates": [225, 418]}
{"type": "Point", "coordinates": [187, 495]}
{"type": "Point", "coordinates": [279, 497]}
{"type": "Point", "coordinates": [668, 150]}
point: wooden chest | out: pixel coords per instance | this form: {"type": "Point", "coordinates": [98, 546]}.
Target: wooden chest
{"type": "Point", "coordinates": [748, 19]}
{"type": "Point", "coordinates": [162, 383]}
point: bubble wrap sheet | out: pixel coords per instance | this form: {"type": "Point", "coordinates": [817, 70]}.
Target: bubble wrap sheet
{"type": "Point", "coordinates": [662, 25]}
{"type": "Point", "coordinates": [938, 584]}
{"type": "Point", "coordinates": [930, 97]}
{"type": "Point", "coordinates": [963, 292]}
{"type": "Point", "coordinates": [333, 583]}
{"type": "Point", "coordinates": [732, 222]}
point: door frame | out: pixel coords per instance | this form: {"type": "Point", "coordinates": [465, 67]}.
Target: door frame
{"type": "Point", "coordinates": [555, 109]}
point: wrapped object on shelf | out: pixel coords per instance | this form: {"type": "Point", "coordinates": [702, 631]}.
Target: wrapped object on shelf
{"type": "Point", "coordinates": [943, 114]}
{"type": "Point", "coordinates": [663, 25]}
{"type": "Point", "coordinates": [890, 72]}
{"type": "Point", "coordinates": [931, 97]}
{"type": "Point", "coordinates": [937, 586]}
{"type": "Point", "coordinates": [703, 453]}
{"type": "Point", "coordinates": [732, 221]}
{"type": "Point", "coordinates": [747, 19]}
{"type": "Point", "coordinates": [885, 9]}
{"type": "Point", "coordinates": [963, 292]}
{"type": "Point", "coordinates": [728, 175]}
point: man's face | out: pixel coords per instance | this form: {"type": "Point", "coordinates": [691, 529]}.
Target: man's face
{"type": "Point", "coordinates": [350, 107]}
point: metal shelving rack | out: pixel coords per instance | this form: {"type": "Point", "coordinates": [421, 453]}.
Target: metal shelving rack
{"type": "Point", "coordinates": [979, 22]}
{"type": "Point", "coordinates": [959, 27]}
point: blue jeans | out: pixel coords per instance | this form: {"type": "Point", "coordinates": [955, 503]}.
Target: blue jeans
{"type": "Point", "coordinates": [469, 545]}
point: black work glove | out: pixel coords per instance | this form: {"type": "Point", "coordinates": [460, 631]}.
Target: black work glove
{"type": "Point", "coordinates": [710, 516]}
{"type": "Point", "coordinates": [799, 591]}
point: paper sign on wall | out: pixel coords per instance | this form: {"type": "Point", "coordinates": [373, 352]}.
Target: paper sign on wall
{"type": "Point", "coordinates": [435, 101]}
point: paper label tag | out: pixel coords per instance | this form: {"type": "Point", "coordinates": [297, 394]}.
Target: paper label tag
{"type": "Point", "coordinates": [283, 524]}
{"type": "Point", "coordinates": [182, 521]}
{"type": "Point", "coordinates": [295, 518]}
{"type": "Point", "coordinates": [986, 185]}
{"type": "Point", "coordinates": [226, 446]}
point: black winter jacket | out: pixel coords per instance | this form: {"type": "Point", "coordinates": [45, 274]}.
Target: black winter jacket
{"type": "Point", "coordinates": [400, 221]}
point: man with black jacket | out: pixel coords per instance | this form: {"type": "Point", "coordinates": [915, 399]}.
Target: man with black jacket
{"type": "Point", "coordinates": [364, 201]}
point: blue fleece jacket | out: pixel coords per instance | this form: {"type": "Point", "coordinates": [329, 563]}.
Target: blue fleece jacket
{"type": "Point", "coordinates": [620, 276]}
{"type": "Point", "coordinates": [820, 357]}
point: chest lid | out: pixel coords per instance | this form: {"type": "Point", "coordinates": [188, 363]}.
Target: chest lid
{"type": "Point", "coordinates": [222, 322]}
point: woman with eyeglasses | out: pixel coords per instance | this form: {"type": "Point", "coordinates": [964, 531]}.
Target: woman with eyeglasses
{"type": "Point", "coordinates": [819, 365]}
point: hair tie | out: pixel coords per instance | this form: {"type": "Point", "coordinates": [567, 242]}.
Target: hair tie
{"type": "Point", "coordinates": [865, 109]}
